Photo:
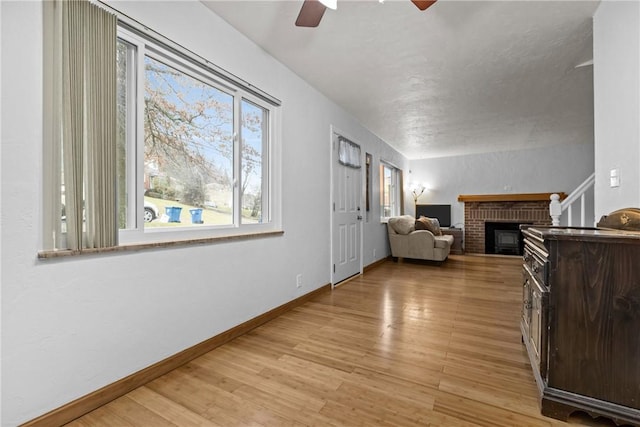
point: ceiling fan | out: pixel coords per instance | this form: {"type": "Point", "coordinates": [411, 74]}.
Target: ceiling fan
{"type": "Point", "coordinates": [312, 10]}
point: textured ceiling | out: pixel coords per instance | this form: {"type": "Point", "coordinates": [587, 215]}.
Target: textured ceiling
{"type": "Point", "coordinates": [461, 77]}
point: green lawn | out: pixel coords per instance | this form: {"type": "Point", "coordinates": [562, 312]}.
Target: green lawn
{"type": "Point", "coordinates": [217, 216]}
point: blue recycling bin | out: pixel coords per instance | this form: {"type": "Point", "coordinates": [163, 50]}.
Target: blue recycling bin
{"type": "Point", "coordinates": [173, 212]}
{"type": "Point", "coordinates": [196, 216]}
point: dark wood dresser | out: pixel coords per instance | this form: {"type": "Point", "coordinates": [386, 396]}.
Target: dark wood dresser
{"type": "Point", "coordinates": [581, 317]}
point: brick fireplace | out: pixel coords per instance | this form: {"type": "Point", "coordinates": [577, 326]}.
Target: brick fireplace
{"type": "Point", "coordinates": [531, 208]}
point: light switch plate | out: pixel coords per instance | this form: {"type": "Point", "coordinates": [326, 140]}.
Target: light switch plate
{"type": "Point", "coordinates": [614, 178]}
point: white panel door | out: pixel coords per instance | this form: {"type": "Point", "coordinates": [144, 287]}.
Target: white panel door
{"type": "Point", "coordinates": [347, 219]}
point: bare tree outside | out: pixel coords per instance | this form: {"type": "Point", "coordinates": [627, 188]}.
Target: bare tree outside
{"type": "Point", "coordinates": [122, 67]}
{"type": "Point", "coordinates": [188, 131]}
{"type": "Point", "coordinates": [189, 144]}
{"type": "Point", "coordinates": [254, 135]}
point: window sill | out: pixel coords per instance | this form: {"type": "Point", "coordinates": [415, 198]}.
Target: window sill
{"type": "Point", "coordinates": [49, 254]}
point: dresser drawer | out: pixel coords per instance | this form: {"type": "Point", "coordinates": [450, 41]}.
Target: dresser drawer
{"type": "Point", "coordinates": [537, 263]}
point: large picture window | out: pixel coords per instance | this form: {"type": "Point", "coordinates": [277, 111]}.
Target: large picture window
{"type": "Point", "coordinates": [194, 153]}
{"type": "Point", "coordinates": [190, 147]}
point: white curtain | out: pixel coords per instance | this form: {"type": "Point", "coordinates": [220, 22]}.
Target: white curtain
{"type": "Point", "coordinates": [349, 153]}
{"type": "Point", "coordinates": [85, 70]}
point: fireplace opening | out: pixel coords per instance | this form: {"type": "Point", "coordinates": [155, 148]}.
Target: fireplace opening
{"type": "Point", "coordinates": [503, 238]}
{"type": "Point", "coordinates": [507, 241]}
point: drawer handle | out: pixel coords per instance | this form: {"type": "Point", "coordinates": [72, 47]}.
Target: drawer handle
{"type": "Point", "coordinates": [527, 304]}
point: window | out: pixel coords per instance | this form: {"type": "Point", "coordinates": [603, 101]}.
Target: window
{"type": "Point", "coordinates": [194, 153]}
{"type": "Point", "coordinates": [368, 164]}
{"type": "Point", "coordinates": [254, 147]}
{"type": "Point", "coordinates": [188, 148]}
{"type": "Point", "coordinates": [147, 141]}
{"type": "Point", "coordinates": [390, 189]}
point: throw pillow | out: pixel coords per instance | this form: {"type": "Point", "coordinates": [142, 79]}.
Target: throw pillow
{"type": "Point", "coordinates": [436, 226]}
{"type": "Point", "coordinates": [404, 224]}
{"type": "Point", "coordinates": [423, 223]}
{"type": "Point", "coordinates": [430, 224]}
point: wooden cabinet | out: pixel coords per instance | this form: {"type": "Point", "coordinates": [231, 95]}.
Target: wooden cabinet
{"type": "Point", "coordinates": [581, 320]}
{"type": "Point", "coordinates": [458, 237]}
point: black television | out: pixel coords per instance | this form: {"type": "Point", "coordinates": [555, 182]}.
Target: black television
{"type": "Point", "coordinates": [442, 212]}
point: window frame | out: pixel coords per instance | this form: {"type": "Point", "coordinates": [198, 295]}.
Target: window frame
{"type": "Point", "coordinates": [270, 209]}
{"type": "Point", "coordinates": [265, 181]}
{"type": "Point", "coordinates": [395, 189]}
{"type": "Point", "coordinates": [53, 237]}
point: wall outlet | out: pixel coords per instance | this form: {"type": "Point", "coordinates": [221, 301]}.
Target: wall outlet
{"type": "Point", "coordinates": [374, 253]}
{"type": "Point", "coordinates": [299, 281]}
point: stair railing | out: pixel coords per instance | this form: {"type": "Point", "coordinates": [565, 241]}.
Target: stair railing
{"type": "Point", "coordinates": [557, 207]}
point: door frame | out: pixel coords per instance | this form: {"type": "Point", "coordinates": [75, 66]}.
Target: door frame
{"type": "Point", "coordinates": [337, 132]}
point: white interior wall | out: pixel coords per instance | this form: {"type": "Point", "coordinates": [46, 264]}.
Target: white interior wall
{"type": "Point", "coordinates": [550, 169]}
{"type": "Point", "coordinates": [73, 325]}
{"type": "Point", "coordinates": [616, 50]}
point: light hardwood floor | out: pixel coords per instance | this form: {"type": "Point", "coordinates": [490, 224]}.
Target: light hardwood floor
{"type": "Point", "coordinates": [407, 344]}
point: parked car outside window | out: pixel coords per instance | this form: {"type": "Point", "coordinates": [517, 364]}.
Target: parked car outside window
{"type": "Point", "coordinates": [150, 211]}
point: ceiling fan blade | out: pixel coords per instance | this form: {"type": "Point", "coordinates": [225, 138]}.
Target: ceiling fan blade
{"type": "Point", "coordinates": [423, 4]}
{"type": "Point", "coordinates": [310, 13]}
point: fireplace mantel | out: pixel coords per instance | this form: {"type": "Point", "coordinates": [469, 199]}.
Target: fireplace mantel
{"type": "Point", "coordinates": [511, 197]}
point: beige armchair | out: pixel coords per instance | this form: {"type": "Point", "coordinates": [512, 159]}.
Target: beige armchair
{"type": "Point", "coordinates": [407, 242]}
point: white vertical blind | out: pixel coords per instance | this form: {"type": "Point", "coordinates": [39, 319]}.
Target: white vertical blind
{"type": "Point", "coordinates": [86, 111]}
{"type": "Point", "coordinates": [100, 49]}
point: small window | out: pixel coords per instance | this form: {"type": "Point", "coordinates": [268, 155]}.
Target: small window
{"type": "Point", "coordinates": [368, 164]}
{"type": "Point", "coordinates": [254, 147]}
{"type": "Point", "coordinates": [390, 186]}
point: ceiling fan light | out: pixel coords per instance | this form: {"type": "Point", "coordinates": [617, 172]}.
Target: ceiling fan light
{"type": "Point", "coordinates": [331, 4]}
